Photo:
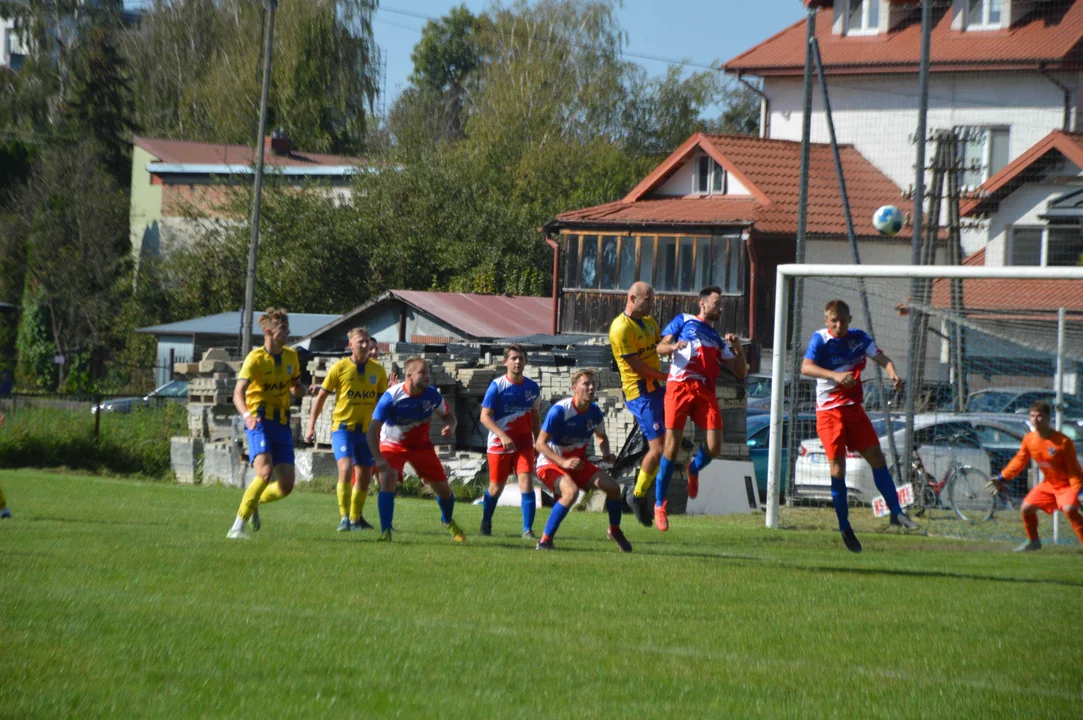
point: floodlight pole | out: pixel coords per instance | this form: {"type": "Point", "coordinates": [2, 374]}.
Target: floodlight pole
{"type": "Point", "coordinates": [257, 191]}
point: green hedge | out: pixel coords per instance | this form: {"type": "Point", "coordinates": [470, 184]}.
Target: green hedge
{"type": "Point", "coordinates": [135, 443]}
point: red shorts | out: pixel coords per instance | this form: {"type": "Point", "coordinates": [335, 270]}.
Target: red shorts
{"type": "Point", "coordinates": [845, 428]}
{"type": "Point", "coordinates": [550, 475]}
{"type": "Point", "coordinates": [424, 461]}
{"type": "Point", "coordinates": [691, 399]}
{"type": "Point", "coordinates": [1049, 497]}
{"type": "Point", "coordinates": [501, 465]}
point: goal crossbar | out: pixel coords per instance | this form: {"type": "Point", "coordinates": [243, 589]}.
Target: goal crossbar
{"type": "Point", "coordinates": [786, 273]}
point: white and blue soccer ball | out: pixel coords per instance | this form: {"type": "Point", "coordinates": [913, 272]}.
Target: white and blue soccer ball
{"type": "Point", "coordinates": [887, 220]}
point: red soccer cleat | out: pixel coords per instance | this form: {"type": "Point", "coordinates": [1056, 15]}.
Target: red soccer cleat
{"type": "Point", "coordinates": [693, 483]}
{"type": "Point", "coordinates": [660, 520]}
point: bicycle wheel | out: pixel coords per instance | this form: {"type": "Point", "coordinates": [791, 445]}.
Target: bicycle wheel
{"type": "Point", "coordinates": [968, 496]}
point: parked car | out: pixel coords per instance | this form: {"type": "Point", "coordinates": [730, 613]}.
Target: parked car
{"type": "Point", "coordinates": [758, 433]}
{"type": "Point", "coordinates": [932, 395]}
{"type": "Point", "coordinates": [1019, 400]}
{"type": "Point", "coordinates": [172, 391]}
{"type": "Point", "coordinates": [758, 390]}
{"type": "Point", "coordinates": [937, 437]}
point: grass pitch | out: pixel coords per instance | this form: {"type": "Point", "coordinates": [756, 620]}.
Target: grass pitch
{"type": "Point", "coordinates": [125, 598]}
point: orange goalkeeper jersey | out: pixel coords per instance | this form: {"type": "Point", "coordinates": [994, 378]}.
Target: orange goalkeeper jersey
{"type": "Point", "coordinates": [1055, 456]}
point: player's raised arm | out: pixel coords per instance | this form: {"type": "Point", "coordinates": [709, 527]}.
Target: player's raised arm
{"type": "Point", "coordinates": [736, 364]}
{"type": "Point", "coordinates": [667, 346]}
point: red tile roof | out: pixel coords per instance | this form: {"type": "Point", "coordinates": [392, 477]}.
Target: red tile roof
{"type": "Point", "coordinates": [198, 153]}
{"type": "Point", "coordinates": [1049, 36]}
{"type": "Point", "coordinates": [1041, 297]}
{"type": "Point", "coordinates": [1025, 167]}
{"type": "Point", "coordinates": [770, 170]}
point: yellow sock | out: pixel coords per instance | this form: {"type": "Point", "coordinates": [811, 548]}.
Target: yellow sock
{"type": "Point", "coordinates": [643, 481]}
{"type": "Point", "coordinates": [272, 493]}
{"type": "Point", "coordinates": [251, 497]}
{"type": "Point", "coordinates": [343, 498]}
{"type": "Point", "coordinates": [357, 502]}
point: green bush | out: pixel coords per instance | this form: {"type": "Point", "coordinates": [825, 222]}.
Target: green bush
{"type": "Point", "coordinates": [135, 443]}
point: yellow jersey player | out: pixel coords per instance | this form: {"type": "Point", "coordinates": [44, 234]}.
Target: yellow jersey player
{"type": "Point", "coordinates": [262, 396]}
{"type": "Point", "coordinates": [357, 383]}
{"type": "Point", "coordinates": [633, 337]}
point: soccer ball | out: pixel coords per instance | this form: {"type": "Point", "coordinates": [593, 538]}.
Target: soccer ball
{"type": "Point", "coordinates": [887, 220]}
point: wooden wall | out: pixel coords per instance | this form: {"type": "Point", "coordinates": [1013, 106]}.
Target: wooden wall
{"type": "Point", "coordinates": [587, 311]}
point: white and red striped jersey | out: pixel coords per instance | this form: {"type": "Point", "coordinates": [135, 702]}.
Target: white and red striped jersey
{"type": "Point", "coordinates": [512, 405]}
{"type": "Point", "coordinates": [701, 358]}
{"type": "Point", "coordinates": [840, 354]}
{"type": "Point", "coordinates": [570, 431]}
{"type": "Point", "coordinates": [406, 417]}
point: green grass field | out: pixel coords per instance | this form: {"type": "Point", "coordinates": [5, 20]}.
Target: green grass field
{"type": "Point", "coordinates": [125, 598]}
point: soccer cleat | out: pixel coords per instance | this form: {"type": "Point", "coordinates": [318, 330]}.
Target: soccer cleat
{"type": "Point", "coordinates": [529, 535]}
{"type": "Point", "coordinates": [641, 507]}
{"type": "Point", "coordinates": [546, 543]}
{"type": "Point", "coordinates": [486, 529]}
{"type": "Point", "coordinates": [256, 522]}
{"type": "Point", "coordinates": [361, 524]}
{"type": "Point", "coordinates": [851, 542]}
{"type": "Point", "coordinates": [1029, 546]}
{"type": "Point", "coordinates": [903, 520]}
{"type": "Point", "coordinates": [5, 514]}
{"type": "Point", "coordinates": [457, 533]}
{"type": "Point", "coordinates": [385, 536]}
{"type": "Point", "coordinates": [693, 482]}
{"type": "Point", "coordinates": [616, 535]}
{"type": "Point", "coordinates": [660, 520]}
{"type": "Point", "coordinates": [344, 526]}
{"type": "Point", "coordinates": [238, 534]}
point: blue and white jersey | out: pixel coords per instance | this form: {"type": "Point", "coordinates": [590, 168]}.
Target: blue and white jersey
{"type": "Point", "coordinates": [512, 405]}
{"type": "Point", "coordinates": [406, 417]}
{"type": "Point", "coordinates": [840, 354]}
{"type": "Point", "coordinates": [701, 358]}
{"type": "Point", "coordinates": [570, 431]}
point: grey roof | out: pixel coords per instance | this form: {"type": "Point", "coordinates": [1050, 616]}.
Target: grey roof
{"type": "Point", "coordinates": [540, 339]}
{"type": "Point", "coordinates": [228, 324]}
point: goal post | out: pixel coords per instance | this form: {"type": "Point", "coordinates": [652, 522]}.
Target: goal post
{"type": "Point", "coordinates": [980, 328]}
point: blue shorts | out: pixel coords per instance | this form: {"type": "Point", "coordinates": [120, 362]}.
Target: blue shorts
{"type": "Point", "coordinates": [650, 412]}
{"type": "Point", "coordinates": [271, 437]}
{"type": "Point", "coordinates": [353, 445]}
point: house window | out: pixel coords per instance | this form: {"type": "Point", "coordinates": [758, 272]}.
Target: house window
{"type": "Point", "coordinates": [728, 251]}
{"type": "Point", "coordinates": [862, 17]}
{"type": "Point", "coordinates": [982, 14]}
{"type": "Point", "coordinates": [1049, 246]}
{"type": "Point", "coordinates": [608, 262]}
{"type": "Point", "coordinates": [571, 262]}
{"type": "Point", "coordinates": [983, 152]}
{"type": "Point", "coordinates": [588, 276]}
{"type": "Point", "coordinates": [710, 177]}
{"type": "Point", "coordinates": [627, 262]}
{"type": "Point", "coordinates": [703, 263]}
{"type": "Point", "coordinates": [646, 259]}
{"type": "Point", "coordinates": [666, 275]}
{"type": "Point", "coordinates": [686, 272]}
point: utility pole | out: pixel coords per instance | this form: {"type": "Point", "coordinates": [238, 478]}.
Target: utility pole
{"type": "Point", "coordinates": [257, 192]}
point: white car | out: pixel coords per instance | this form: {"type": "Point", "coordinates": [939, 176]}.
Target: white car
{"type": "Point", "coordinates": [938, 437]}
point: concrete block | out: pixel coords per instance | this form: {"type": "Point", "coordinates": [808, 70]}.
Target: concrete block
{"type": "Point", "coordinates": [311, 463]}
{"type": "Point", "coordinates": [216, 354]}
{"type": "Point", "coordinates": [223, 465]}
{"type": "Point", "coordinates": [185, 454]}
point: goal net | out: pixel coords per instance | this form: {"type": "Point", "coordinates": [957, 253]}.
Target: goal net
{"type": "Point", "coordinates": [977, 346]}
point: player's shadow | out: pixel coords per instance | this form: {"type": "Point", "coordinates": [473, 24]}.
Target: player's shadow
{"type": "Point", "coordinates": [88, 521]}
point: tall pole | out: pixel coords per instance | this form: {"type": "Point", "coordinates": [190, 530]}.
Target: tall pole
{"type": "Point", "coordinates": [912, 379]}
{"type": "Point", "coordinates": [257, 192]}
{"type": "Point", "coordinates": [1061, 316]}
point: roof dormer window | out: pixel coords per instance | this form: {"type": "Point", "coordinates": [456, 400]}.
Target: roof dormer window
{"type": "Point", "coordinates": [863, 17]}
{"type": "Point", "coordinates": [983, 14]}
{"type": "Point", "coordinates": [710, 178]}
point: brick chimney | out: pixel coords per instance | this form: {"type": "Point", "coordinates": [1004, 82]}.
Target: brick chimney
{"type": "Point", "coordinates": [280, 142]}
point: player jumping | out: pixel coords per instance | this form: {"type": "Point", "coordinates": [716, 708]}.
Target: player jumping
{"type": "Point", "coordinates": [634, 338]}
{"type": "Point", "coordinates": [262, 397]}
{"type": "Point", "coordinates": [1062, 478]}
{"type": "Point", "coordinates": [836, 357]}
{"type": "Point", "coordinates": [399, 434]}
{"type": "Point", "coordinates": [698, 354]}
{"type": "Point", "coordinates": [510, 413]}
{"type": "Point", "coordinates": [564, 467]}
{"type": "Point", "coordinates": [357, 383]}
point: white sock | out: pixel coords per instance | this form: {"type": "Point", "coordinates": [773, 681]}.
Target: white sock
{"type": "Point", "coordinates": [238, 524]}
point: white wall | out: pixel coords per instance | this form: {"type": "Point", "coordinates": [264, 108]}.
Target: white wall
{"type": "Point", "coordinates": [682, 182]}
{"type": "Point", "coordinates": [878, 114]}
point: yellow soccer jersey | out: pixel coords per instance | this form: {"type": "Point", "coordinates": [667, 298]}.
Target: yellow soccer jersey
{"type": "Point", "coordinates": [269, 381]}
{"type": "Point", "coordinates": [628, 336]}
{"type": "Point", "coordinates": [358, 388]}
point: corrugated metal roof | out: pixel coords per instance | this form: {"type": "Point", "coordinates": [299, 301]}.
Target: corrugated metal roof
{"type": "Point", "coordinates": [484, 316]}
{"type": "Point", "coordinates": [198, 153]}
{"type": "Point", "coordinates": [228, 324]}
{"type": "Point", "coordinates": [1048, 35]}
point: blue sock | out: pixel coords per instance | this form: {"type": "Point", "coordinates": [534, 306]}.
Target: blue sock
{"type": "Point", "coordinates": [556, 516]}
{"type": "Point", "coordinates": [613, 508]}
{"type": "Point", "coordinates": [529, 508]}
{"type": "Point", "coordinates": [661, 480]}
{"type": "Point", "coordinates": [886, 486]}
{"type": "Point", "coordinates": [838, 499]}
{"type": "Point", "coordinates": [488, 505]}
{"type": "Point", "coordinates": [447, 507]}
{"type": "Point", "coordinates": [385, 502]}
{"type": "Point", "coordinates": [703, 459]}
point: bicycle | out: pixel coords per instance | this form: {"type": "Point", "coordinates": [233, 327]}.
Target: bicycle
{"type": "Point", "coordinates": [964, 484]}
